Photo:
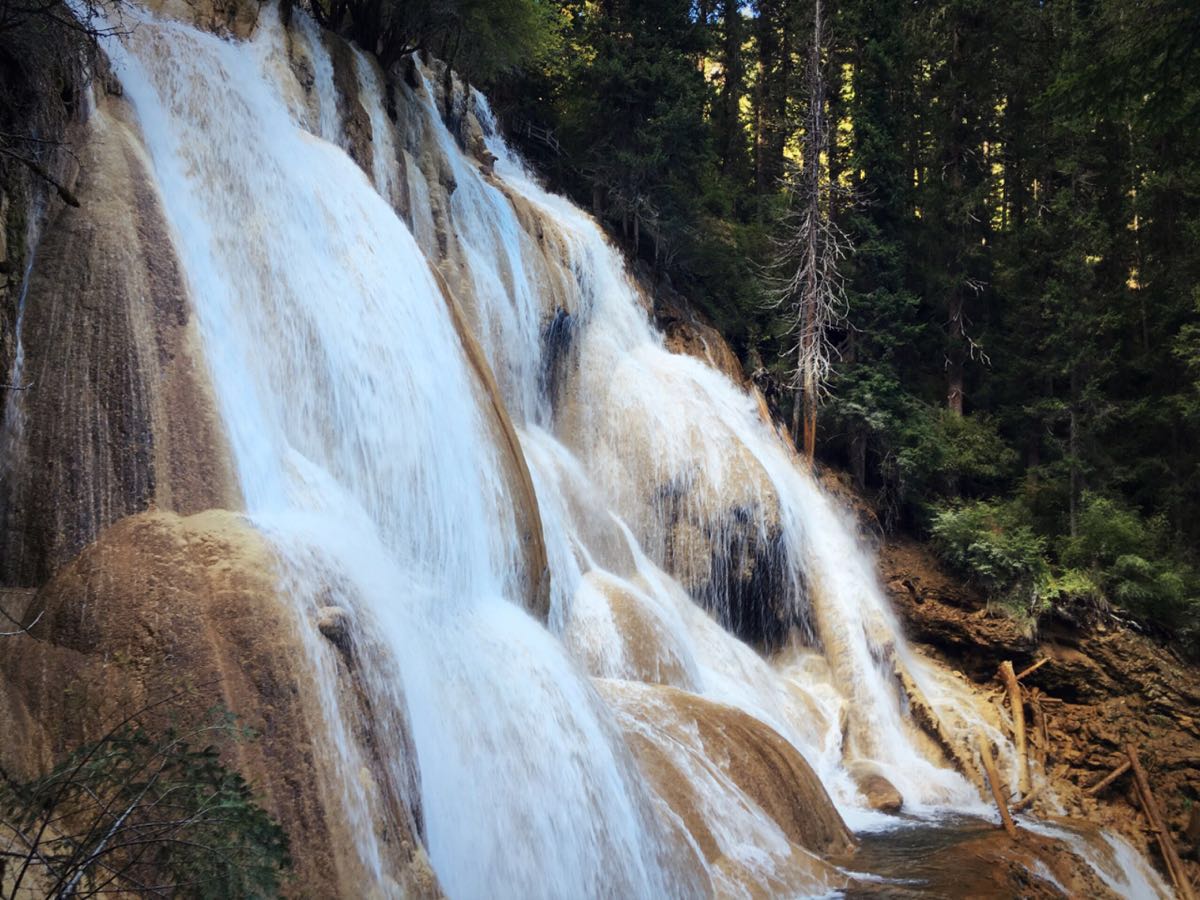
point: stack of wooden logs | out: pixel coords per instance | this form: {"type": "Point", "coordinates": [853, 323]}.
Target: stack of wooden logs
{"type": "Point", "coordinates": [1019, 697]}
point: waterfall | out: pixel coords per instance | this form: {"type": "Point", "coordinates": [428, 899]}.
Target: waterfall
{"type": "Point", "coordinates": [655, 418]}
{"type": "Point", "coordinates": [367, 450]}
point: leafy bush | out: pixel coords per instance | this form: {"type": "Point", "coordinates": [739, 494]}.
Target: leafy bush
{"type": "Point", "coordinates": [1116, 558]}
{"type": "Point", "coordinates": [992, 544]}
{"type": "Point", "coordinates": [144, 811]}
{"type": "Point", "coordinates": [944, 455]}
{"type": "Point", "coordinates": [1107, 531]}
{"type": "Point", "coordinates": [1127, 556]}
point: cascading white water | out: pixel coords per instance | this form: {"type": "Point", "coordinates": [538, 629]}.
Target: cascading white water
{"type": "Point", "coordinates": [383, 157]}
{"type": "Point", "coordinates": [365, 452]}
{"type": "Point", "coordinates": [649, 407]}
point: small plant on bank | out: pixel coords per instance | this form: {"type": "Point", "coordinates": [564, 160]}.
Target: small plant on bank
{"type": "Point", "coordinates": [143, 810]}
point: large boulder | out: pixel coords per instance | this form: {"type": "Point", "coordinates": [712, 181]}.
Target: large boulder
{"type": "Point", "coordinates": [731, 781]}
{"type": "Point", "coordinates": [879, 793]}
{"type": "Point", "coordinates": [161, 604]}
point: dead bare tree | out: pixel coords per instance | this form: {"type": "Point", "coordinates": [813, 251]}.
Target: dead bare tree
{"type": "Point", "coordinates": [808, 254]}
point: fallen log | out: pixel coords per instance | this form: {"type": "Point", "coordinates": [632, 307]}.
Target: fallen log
{"type": "Point", "coordinates": [1018, 718]}
{"type": "Point", "coordinates": [1108, 779]}
{"type": "Point", "coordinates": [1040, 730]}
{"type": "Point", "coordinates": [1037, 665]}
{"type": "Point", "coordinates": [923, 713]}
{"type": "Point", "coordinates": [993, 778]}
{"type": "Point", "coordinates": [1183, 884]}
{"type": "Point", "coordinates": [1027, 801]}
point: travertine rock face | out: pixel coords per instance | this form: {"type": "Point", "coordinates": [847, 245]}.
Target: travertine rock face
{"type": "Point", "coordinates": [160, 604]}
{"type": "Point", "coordinates": [616, 633]}
{"type": "Point", "coordinates": [976, 860]}
{"type": "Point", "coordinates": [708, 763]}
{"type": "Point", "coordinates": [119, 413]}
{"type": "Point", "coordinates": [236, 18]}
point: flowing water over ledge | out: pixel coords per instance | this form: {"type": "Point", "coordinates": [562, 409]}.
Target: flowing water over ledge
{"type": "Point", "coordinates": [352, 351]}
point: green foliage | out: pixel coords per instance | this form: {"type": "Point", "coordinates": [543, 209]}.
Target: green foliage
{"type": "Point", "coordinates": [950, 453]}
{"type": "Point", "coordinates": [1116, 559]}
{"type": "Point", "coordinates": [1073, 588]}
{"type": "Point", "coordinates": [482, 39]}
{"type": "Point", "coordinates": [147, 807]}
{"type": "Point", "coordinates": [1108, 531]}
{"type": "Point", "coordinates": [992, 543]}
{"type": "Point", "coordinates": [1129, 559]}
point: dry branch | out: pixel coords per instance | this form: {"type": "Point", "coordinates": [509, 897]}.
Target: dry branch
{"type": "Point", "coordinates": [1108, 779]}
{"type": "Point", "coordinates": [1040, 730]}
{"type": "Point", "coordinates": [1037, 665]}
{"type": "Point", "coordinates": [993, 777]}
{"type": "Point", "coordinates": [1183, 884]}
{"type": "Point", "coordinates": [1018, 718]}
{"type": "Point", "coordinates": [1027, 801]}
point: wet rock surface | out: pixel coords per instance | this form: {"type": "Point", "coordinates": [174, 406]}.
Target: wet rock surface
{"type": "Point", "coordinates": [880, 793]}
{"type": "Point", "coordinates": [970, 859]}
{"type": "Point", "coordinates": [120, 415]}
{"type": "Point", "coordinates": [161, 604]}
{"type": "Point", "coordinates": [675, 735]}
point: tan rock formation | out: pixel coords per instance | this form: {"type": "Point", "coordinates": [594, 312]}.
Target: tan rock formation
{"type": "Point", "coordinates": [160, 604]}
{"type": "Point", "coordinates": [120, 412]}
{"type": "Point", "coordinates": [978, 861]}
{"type": "Point", "coordinates": [690, 747]}
{"type": "Point", "coordinates": [536, 576]}
{"type": "Point", "coordinates": [637, 645]}
{"type": "Point", "coordinates": [233, 18]}
{"type": "Point", "coordinates": [356, 124]}
{"type": "Point", "coordinates": [880, 793]}
{"type": "Point", "coordinates": [687, 332]}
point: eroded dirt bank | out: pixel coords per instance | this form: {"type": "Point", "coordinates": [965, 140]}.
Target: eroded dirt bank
{"type": "Point", "coordinates": [1116, 687]}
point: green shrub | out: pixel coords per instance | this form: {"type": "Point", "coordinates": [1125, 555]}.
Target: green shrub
{"type": "Point", "coordinates": [1128, 556]}
{"type": "Point", "coordinates": [146, 809]}
{"type": "Point", "coordinates": [992, 544]}
{"type": "Point", "coordinates": [1106, 531]}
{"type": "Point", "coordinates": [944, 455]}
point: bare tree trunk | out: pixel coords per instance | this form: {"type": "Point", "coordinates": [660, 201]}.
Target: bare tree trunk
{"type": "Point", "coordinates": [956, 351]}
{"type": "Point", "coordinates": [1073, 450]}
{"type": "Point", "coordinates": [810, 252]}
{"type": "Point", "coordinates": [797, 416]}
{"type": "Point", "coordinates": [956, 356]}
{"type": "Point", "coordinates": [814, 144]}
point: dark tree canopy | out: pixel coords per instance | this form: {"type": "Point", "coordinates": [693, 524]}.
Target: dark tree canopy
{"type": "Point", "coordinates": [1023, 328]}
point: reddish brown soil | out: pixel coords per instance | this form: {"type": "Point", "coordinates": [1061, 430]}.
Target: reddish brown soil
{"type": "Point", "coordinates": [1117, 687]}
